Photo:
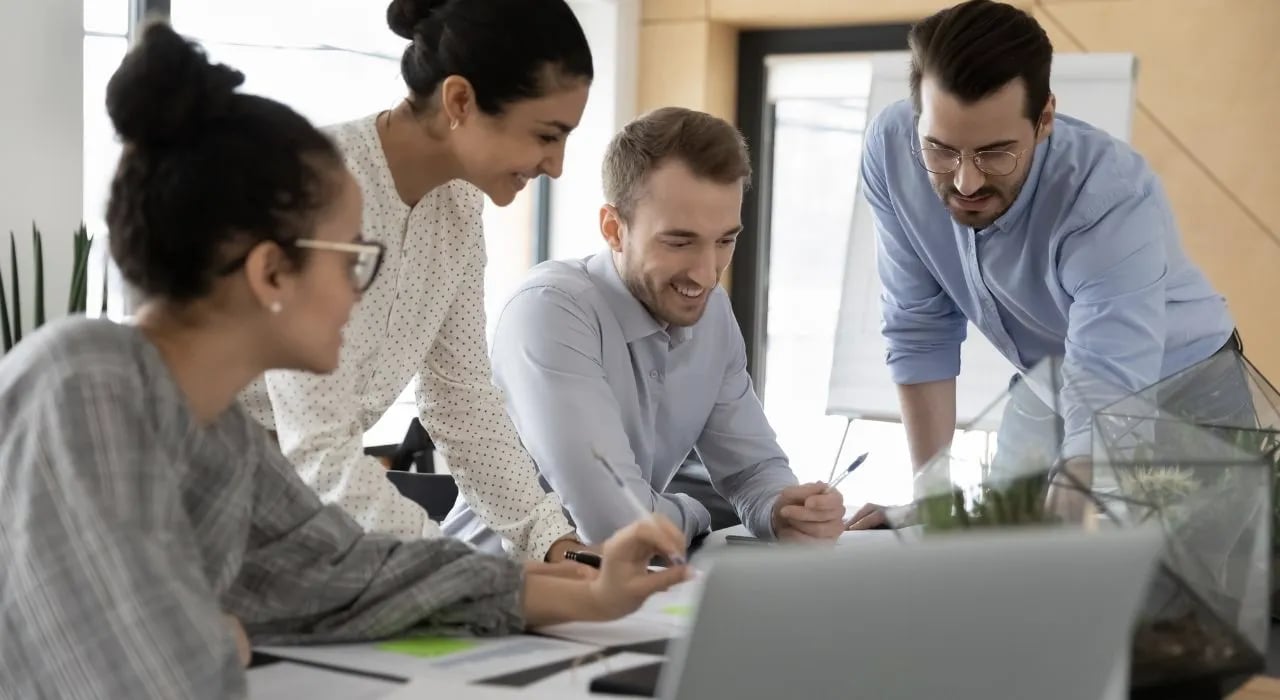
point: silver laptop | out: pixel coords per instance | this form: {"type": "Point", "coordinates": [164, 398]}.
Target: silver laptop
{"type": "Point", "coordinates": [1026, 614]}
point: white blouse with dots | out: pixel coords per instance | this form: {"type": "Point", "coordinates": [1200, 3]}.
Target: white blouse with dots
{"type": "Point", "coordinates": [424, 315]}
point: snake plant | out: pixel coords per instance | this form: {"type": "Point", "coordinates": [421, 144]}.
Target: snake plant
{"type": "Point", "coordinates": [11, 326]}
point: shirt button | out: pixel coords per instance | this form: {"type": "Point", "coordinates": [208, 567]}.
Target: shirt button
{"type": "Point", "coordinates": [653, 374]}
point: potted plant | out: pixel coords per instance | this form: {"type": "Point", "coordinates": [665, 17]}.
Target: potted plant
{"type": "Point", "coordinates": [1202, 626]}
{"type": "Point", "coordinates": [11, 323]}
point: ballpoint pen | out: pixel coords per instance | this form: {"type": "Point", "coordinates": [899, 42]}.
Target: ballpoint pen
{"type": "Point", "coordinates": [586, 558]}
{"type": "Point", "coordinates": [849, 470]}
{"type": "Point", "coordinates": [640, 511]}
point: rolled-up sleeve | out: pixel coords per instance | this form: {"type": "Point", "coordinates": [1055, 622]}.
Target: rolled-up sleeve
{"type": "Point", "coordinates": [547, 361]}
{"type": "Point", "coordinates": [1114, 265]}
{"type": "Point", "coordinates": [922, 326]}
{"type": "Point", "coordinates": [738, 446]}
{"type": "Point", "coordinates": [311, 574]}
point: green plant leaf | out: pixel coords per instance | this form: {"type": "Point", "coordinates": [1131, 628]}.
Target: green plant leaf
{"type": "Point", "coordinates": [76, 300]}
{"type": "Point", "coordinates": [6, 336]}
{"type": "Point", "coordinates": [17, 293]}
{"type": "Point", "coordinates": [37, 252]}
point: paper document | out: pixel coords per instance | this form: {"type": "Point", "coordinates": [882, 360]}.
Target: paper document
{"type": "Point", "coordinates": [718, 541]}
{"type": "Point", "coordinates": [438, 688]}
{"type": "Point", "coordinates": [459, 658]}
{"type": "Point", "coordinates": [578, 680]}
{"type": "Point", "coordinates": [616, 633]}
{"type": "Point", "coordinates": [664, 615]}
{"type": "Point", "coordinates": [284, 679]}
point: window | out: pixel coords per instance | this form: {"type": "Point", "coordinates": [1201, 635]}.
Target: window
{"type": "Point", "coordinates": [813, 124]}
{"type": "Point", "coordinates": [106, 31]}
{"type": "Point", "coordinates": [332, 60]}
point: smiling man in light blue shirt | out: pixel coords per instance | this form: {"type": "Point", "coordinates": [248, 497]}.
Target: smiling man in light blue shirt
{"type": "Point", "coordinates": [635, 353]}
{"type": "Point", "coordinates": [1052, 237]}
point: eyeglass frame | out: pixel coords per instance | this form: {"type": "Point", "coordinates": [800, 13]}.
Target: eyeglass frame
{"type": "Point", "coordinates": [960, 156]}
{"type": "Point", "coordinates": [360, 248]}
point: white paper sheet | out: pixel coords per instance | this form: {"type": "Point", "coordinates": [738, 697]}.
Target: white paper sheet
{"type": "Point", "coordinates": [718, 540]}
{"type": "Point", "coordinates": [577, 681]}
{"type": "Point", "coordinates": [485, 658]}
{"type": "Point", "coordinates": [438, 688]}
{"type": "Point", "coordinates": [285, 679]}
{"type": "Point", "coordinates": [665, 615]}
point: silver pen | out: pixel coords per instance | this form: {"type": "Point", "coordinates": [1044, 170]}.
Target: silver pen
{"type": "Point", "coordinates": [856, 463]}
{"type": "Point", "coordinates": [640, 511]}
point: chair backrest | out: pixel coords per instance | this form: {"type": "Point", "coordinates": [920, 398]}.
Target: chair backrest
{"type": "Point", "coordinates": [436, 493]}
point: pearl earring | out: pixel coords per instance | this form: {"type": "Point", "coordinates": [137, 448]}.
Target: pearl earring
{"type": "Point", "coordinates": [276, 307]}
{"type": "Point", "coordinates": [453, 125]}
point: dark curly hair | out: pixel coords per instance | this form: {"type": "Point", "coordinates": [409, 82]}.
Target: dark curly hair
{"type": "Point", "coordinates": [206, 172]}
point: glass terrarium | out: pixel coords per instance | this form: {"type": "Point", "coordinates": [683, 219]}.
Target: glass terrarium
{"type": "Point", "coordinates": [1009, 485]}
{"type": "Point", "coordinates": [1204, 621]}
{"type": "Point", "coordinates": [1227, 396]}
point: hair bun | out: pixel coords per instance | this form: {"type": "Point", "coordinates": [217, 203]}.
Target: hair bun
{"type": "Point", "coordinates": [165, 89]}
{"type": "Point", "coordinates": [404, 16]}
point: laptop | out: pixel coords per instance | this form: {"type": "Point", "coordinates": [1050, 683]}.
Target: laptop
{"type": "Point", "coordinates": [1022, 614]}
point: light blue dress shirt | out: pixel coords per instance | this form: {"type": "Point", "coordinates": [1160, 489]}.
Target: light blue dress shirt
{"type": "Point", "coordinates": [1085, 265]}
{"type": "Point", "coordinates": [583, 364]}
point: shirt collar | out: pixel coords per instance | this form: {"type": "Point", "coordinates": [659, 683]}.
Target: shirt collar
{"type": "Point", "coordinates": [635, 319]}
{"type": "Point", "coordinates": [1022, 202]}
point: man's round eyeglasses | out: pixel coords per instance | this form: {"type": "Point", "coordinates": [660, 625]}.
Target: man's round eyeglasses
{"type": "Point", "coordinates": [942, 161]}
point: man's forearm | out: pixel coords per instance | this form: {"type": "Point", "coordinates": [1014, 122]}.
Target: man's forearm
{"type": "Point", "coordinates": [929, 416]}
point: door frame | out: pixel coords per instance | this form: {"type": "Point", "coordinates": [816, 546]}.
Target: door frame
{"type": "Point", "coordinates": [749, 291]}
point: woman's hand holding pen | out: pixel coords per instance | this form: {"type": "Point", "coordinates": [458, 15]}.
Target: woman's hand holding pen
{"type": "Point", "coordinates": [625, 580]}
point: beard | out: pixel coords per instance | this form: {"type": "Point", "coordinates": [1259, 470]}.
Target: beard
{"type": "Point", "coordinates": [663, 302]}
{"type": "Point", "coordinates": [999, 197]}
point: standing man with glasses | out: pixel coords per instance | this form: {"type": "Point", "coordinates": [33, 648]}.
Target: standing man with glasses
{"type": "Point", "coordinates": [1052, 237]}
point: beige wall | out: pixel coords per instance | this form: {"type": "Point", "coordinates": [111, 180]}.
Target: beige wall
{"type": "Point", "coordinates": [1207, 103]}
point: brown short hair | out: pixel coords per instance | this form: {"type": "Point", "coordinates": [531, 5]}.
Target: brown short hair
{"type": "Point", "coordinates": [709, 146]}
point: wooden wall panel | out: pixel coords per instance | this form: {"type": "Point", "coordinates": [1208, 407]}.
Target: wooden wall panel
{"type": "Point", "coordinates": [1207, 96]}
{"type": "Point", "coordinates": [659, 10]}
{"type": "Point", "coordinates": [1209, 71]}
{"type": "Point", "coordinates": [674, 66]}
{"type": "Point", "coordinates": [811, 13]}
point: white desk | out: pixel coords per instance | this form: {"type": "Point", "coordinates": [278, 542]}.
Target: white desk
{"type": "Point", "coordinates": [563, 660]}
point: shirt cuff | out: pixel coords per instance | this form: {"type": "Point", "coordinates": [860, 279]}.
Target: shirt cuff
{"type": "Point", "coordinates": [550, 524]}
{"type": "Point", "coordinates": [697, 519]}
{"type": "Point", "coordinates": [1078, 443]}
{"type": "Point", "coordinates": [921, 367]}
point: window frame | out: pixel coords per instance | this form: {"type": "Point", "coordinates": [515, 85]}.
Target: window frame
{"type": "Point", "coordinates": [749, 292]}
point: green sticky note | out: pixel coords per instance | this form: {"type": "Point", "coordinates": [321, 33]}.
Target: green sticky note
{"type": "Point", "coordinates": [428, 647]}
{"type": "Point", "coordinates": [678, 610]}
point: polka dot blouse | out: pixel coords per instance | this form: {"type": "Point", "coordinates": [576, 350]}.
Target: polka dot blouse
{"type": "Point", "coordinates": [424, 316]}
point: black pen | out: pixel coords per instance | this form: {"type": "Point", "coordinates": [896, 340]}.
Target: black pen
{"type": "Point", "coordinates": [591, 560]}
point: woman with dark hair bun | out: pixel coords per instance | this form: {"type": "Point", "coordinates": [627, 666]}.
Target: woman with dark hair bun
{"type": "Point", "coordinates": [141, 508]}
{"type": "Point", "coordinates": [494, 89]}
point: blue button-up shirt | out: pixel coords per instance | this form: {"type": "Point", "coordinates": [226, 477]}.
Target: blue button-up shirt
{"type": "Point", "coordinates": [583, 364]}
{"type": "Point", "coordinates": [1085, 265]}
